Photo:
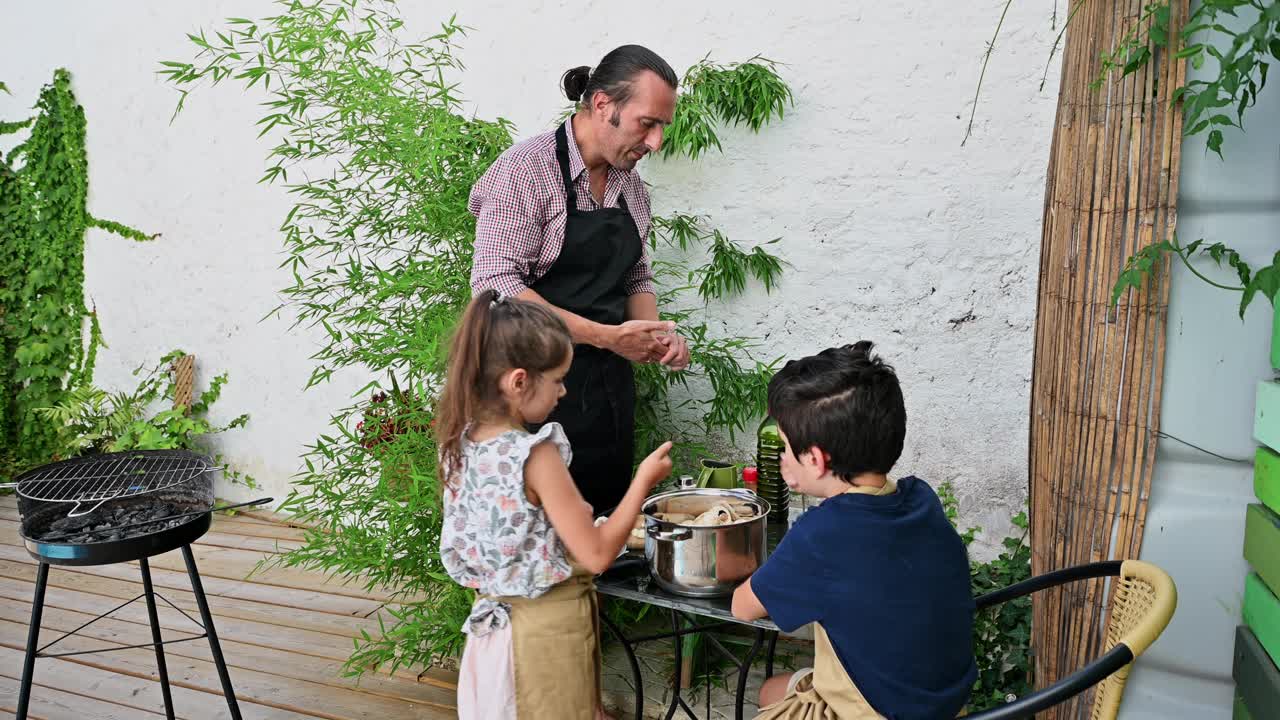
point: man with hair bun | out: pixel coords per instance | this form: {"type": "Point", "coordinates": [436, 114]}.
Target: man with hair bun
{"type": "Point", "coordinates": [561, 219]}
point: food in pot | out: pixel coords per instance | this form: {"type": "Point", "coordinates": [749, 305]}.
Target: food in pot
{"type": "Point", "coordinates": [718, 514]}
{"type": "Point", "coordinates": [635, 541]}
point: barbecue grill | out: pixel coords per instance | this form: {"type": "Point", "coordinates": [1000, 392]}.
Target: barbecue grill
{"type": "Point", "coordinates": [119, 507]}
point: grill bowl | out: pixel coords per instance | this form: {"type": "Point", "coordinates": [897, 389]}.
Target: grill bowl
{"type": "Point", "coordinates": [193, 494]}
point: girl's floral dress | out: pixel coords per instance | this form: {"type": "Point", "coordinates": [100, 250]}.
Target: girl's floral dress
{"type": "Point", "coordinates": [499, 544]}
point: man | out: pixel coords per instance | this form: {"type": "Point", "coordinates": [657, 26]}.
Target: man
{"type": "Point", "coordinates": [562, 219]}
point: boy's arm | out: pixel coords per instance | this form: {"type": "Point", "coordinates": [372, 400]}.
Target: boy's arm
{"type": "Point", "coordinates": [788, 587]}
{"type": "Point", "coordinates": [746, 606]}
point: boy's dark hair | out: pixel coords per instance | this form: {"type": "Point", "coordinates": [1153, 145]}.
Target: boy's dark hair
{"type": "Point", "coordinates": [845, 401]}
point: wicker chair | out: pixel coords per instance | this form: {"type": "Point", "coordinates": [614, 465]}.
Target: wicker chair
{"type": "Point", "coordinates": [1142, 606]}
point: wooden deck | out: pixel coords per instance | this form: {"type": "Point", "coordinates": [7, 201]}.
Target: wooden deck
{"type": "Point", "coordinates": [285, 634]}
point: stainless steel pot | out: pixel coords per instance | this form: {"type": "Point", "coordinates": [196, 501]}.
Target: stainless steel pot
{"type": "Point", "coordinates": [703, 561]}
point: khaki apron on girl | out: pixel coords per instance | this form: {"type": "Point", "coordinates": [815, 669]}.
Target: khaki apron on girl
{"type": "Point", "coordinates": [556, 651]}
{"type": "Point", "coordinates": [828, 693]}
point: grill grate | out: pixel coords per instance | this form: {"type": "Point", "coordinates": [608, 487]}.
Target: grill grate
{"type": "Point", "coordinates": [95, 480]}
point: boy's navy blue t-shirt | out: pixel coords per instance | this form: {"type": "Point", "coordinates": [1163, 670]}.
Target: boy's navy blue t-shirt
{"type": "Point", "coordinates": [888, 578]}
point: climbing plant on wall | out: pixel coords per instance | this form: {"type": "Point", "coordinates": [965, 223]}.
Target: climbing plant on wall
{"type": "Point", "coordinates": [1242, 39]}
{"type": "Point", "coordinates": [379, 249]}
{"type": "Point", "coordinates": [44, 182]}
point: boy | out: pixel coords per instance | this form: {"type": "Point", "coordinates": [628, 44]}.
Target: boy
{"type": "Point", "coordinates": [876, 565]}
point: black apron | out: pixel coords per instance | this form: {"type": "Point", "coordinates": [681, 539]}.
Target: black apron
{"type": "Point", "coordinates": [588, 278]}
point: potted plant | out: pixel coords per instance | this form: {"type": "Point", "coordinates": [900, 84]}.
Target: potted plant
{"type": "Point", "coordinates": [395, 430]}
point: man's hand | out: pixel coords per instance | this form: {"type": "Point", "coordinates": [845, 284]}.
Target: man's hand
{"type": "Point", "coordinates": [676, 356]}
{"type": "Point", "coordinates": [637, 341]}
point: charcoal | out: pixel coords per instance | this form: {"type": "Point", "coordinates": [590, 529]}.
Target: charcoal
{"type": "Point", "coordinates": [103, 525]}
{"type": "Point", "coordinates": [71, 524]}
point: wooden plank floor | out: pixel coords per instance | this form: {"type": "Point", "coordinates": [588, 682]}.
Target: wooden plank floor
{"type": "Point", "coordinates": [284, 633]}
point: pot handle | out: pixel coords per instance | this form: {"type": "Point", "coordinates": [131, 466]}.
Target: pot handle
{"type": "Point", "coordinates": [677, 535]}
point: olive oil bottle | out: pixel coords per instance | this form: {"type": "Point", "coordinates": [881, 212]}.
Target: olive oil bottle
{"type": "Point", "coordinates": [769, 449]}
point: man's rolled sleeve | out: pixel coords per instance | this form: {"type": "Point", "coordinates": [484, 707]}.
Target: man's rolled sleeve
{"type": "Point", "coordinates": [509, 229]}
{"type": "Point", "coordinates": [639, 279]}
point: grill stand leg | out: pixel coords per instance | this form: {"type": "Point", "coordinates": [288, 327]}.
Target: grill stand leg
{"type": "Point", "coordinates": [33, 641]}
{"type": "Point", "coordinates": [631, 658]}
{"type": "Point", "coordinates": [198, 589]}
{"type": "Point", "coordinates": [744, 668]}
{"type": "Point", "coordinates": [149, 592]}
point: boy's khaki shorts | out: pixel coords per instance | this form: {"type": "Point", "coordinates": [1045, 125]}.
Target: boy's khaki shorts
{"type": "Point", "coordinates": [796, 677]}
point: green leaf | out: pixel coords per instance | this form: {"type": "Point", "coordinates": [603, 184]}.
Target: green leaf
{"type": "Point", "coordinates": [1161, 16]}
{"type": "Point", "coordinates": [1266, 280]}
{"type": "Point", "coordinates": [1137, 60]}
{"type": "Point", "coordinates": [1160, 36]}
{"type": "Point", "coordinates": [1215, 142]}
{"type": "Point", "coordinates": [8, 128]}
{"type": "Point", "coordinates": [1138, 267]}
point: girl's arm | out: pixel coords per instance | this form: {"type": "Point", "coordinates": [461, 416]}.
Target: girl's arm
{"type": "Point", "coordinates": [595, 548]}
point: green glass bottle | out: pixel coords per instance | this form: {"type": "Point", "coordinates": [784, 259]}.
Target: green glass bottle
{"type": "Point", "coordinates": [769, 449]}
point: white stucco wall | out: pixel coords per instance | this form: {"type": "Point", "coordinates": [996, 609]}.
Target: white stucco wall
{"type": "Point", "coordinates": [894, 231]}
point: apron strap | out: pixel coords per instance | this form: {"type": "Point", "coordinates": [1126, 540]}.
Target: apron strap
{"type": "Point", "coordinates": [562, 158]}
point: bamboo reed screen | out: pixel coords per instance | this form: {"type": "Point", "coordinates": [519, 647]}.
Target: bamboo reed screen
{"type": "Point", "coordinates": [1112, 188]}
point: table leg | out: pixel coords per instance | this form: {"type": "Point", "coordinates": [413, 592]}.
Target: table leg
{"type": "Point", "coordinates": [706, 686]}
{"type": "Point", "coordinates": [768, 658]}
{"type": "Point", "coordinates": [745, 669]}
{"type": "Point", "coordinates": [683, 625]}
{"type": "Point", "coordinates": [676, 700]}
{"type": "Point", "coordinates": [631, 658]}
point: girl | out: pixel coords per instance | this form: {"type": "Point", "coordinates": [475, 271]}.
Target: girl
{"type": "Point", "coordinates": [516, 528]}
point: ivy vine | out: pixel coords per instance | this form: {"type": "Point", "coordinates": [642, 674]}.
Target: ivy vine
{"type": "Point", "coordinates": [44, 181]}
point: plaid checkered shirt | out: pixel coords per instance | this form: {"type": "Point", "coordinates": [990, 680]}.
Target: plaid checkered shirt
{"type": "Point", "coordinates": [519, 206]}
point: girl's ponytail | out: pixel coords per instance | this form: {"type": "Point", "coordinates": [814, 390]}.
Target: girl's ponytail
{"type": "Point", "coordinates": [495, 335]}
{"type": "Point", "coordinates": [463, 386]}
